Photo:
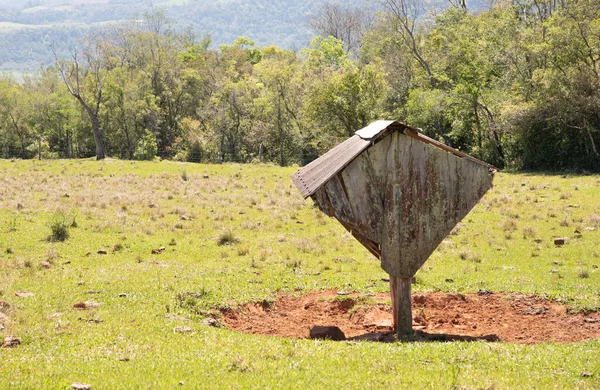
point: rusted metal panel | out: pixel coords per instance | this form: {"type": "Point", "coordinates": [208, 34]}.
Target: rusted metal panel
{"type": "Point", "coordinates": [365, 197]}
{"type": "Point", "coordinates": [318, 172]}
{"type": "Point", "coordinates": [339, 200]}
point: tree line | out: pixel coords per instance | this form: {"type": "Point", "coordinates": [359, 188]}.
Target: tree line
{"type": "Point", "coordinates": [517, 85]}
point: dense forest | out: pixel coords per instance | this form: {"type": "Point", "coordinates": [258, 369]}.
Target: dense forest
{"type": "Point", "coordinates": [516, 85]}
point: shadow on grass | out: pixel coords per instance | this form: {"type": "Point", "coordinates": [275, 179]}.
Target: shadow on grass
{"type": "Point", "coordinates": [421, 337]}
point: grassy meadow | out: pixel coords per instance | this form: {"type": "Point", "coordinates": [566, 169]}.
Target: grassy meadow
{"type": "Point", "coordinates": [154, 248]}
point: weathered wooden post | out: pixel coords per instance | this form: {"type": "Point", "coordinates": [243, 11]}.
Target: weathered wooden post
{"type": "Point", "coordinates": [399, 193]}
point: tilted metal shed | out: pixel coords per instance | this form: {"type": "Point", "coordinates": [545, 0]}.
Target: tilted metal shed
{"type": "Point", "coordinates": [399, 193]}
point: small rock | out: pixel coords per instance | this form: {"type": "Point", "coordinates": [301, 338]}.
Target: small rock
{"type": "Point", "coordinates": [55, 315]}
{"type": "Point", "coordinates": [180, 383]}
{"type": "Point", "coordinates": [3, 318]}
{"type": "Point", "coordinates": [383, 324]}
{"type": "Point", "coordinates": [24, 294]}
{"type": "Point", "coordinates": [183, 329]}
{"type": "Point", "coordinates": [591, 320]}
{"type": "Point", "coordinates": [448, 280]}
{"type": "Point", "coordinates": [587, 374]}
{"type": "Point", "coordinates": [102, 252]}
{"type": "Point", "coordinates": [20, 206]}
{"type": "Point", "coordinates": [86, 305]}
{"type": "Point", "coordinates": [124, 359]}
{"type": "Point", "coordinates": [385, 279]}
{"type": "Point", "coordinates": [80, 283]}
{"type": "Point", "coordinates": [66, 196]}
{"type": "Point", "coordinates": [158, 250]}
{"type": "Point", "coordinates": [205, 176]}
{"type": "Point", "coordinates": [327, 333]}
{"type": "Point", "coordinates": [484, 292]}
{"type": "Point", "coordinates": [553, 271]}
{"type": "Point", "coordinates": [81, 386]}
{"type": "Point", "coordinates": [11, 341]}
{"type": "Point", "coordinates": [45, 264]}
{"type": "Point", "coordinates": [589, 229]}
{"type": "Point", "coordinates": [342, 292]}
{"type": "Point", "coordinates": [186, 218]}
{"type": "Point", "coordinates": [122, 295]}
{"type": "Point", "coordinates": [594, 266]}
{"type": "Point", "coordinates": [559, 241]}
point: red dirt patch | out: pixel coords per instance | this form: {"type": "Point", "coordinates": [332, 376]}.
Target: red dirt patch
{"type": "Point", "coordinates": [494, 317]}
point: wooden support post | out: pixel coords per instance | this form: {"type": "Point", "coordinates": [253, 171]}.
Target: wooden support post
{"type": "Point", "coordinates": [401, 305]}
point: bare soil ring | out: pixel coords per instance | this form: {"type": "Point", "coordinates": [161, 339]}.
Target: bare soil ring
{"type": "Point", "coordinates": [507, 317]}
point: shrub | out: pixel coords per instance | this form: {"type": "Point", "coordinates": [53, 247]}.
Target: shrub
{"type": "Point", "coordinates": [227, 238]}
{"type": "Point", "coordinates": [146, 148]}
{"type": "Point", "coordinates": [59, 226]}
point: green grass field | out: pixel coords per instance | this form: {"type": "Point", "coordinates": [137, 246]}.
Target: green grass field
{"type": "Point", "coordinates": [239, 233]}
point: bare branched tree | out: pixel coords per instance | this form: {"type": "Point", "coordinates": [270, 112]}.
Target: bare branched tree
{"type": "Point", "coordinates": [458, 3]}
{"type": "Point", "coordinates": [404, 15]}
{"type": "Point", "coordinates": [84, 78]}
{"type": "Point", "coordinates": [348, 24]}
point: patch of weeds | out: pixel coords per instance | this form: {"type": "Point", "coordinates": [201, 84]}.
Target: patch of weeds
{"type": "Point", "coordinates": [509, 225]}
{"type": "Point", "coordinates": [583, 273]}
{"type": "Point", "coordinates": [227, 238]}
{"type": "Point", "coordinates": [117, 248]}
{"type": "Point", "coordinates": [184, 175]}
{"type": "Point", "coordinates": [344, 260]}
{"type": "Point", "coordinates": [59, 225]}
{"type": "Point", "coordinates": [193, 301]}
{"type": "Point", "coordinates": [12, 225]}
{"type": "Point", "coordinates": [469, 256]}
{"type": "Point", "coordinates": [239, 365]}
{"type": "Point", "coordinates": [595, 220]}
{"type": "Point", "coordinates": [51, 255]}
{"type": "Point", "coordinates": [529, 231]}
{"type": "Point", "coordinates": [583, 309]}
{"type": "Point", "coordinates": [293, 264]}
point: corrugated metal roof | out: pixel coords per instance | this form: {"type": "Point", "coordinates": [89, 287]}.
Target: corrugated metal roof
{"type": "Point", "coordinates": [312, 176]}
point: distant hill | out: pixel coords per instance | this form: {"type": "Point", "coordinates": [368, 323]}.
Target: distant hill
{"type": "Point", "coordinates": [27, 27]}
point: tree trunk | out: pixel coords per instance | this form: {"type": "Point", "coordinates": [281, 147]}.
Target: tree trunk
{"type": "Point", "coordinates": [100, 151]}
{"type": "Point", "coordinates": [98, 140]}
{"type": "Point", "coordinates": [401, 305]}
